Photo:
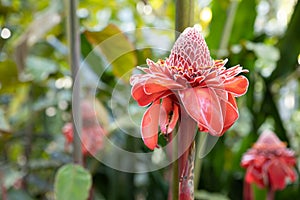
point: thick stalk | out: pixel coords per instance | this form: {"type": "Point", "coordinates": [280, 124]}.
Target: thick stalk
{"type": "Point", "coordinates": [184, 15]}
{"type": "Point", "coordinates": [175, 174]}
{"type": "Point", "coordinates": [270, 194]}
{"type": "Point", "coordinates": [74, 60]}
{"type": "Point", "coordinates": [247, 191]}
{"type": "Point", "coordinates": [186, 189]}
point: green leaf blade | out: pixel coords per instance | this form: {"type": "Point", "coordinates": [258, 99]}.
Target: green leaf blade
{"type": "Point", "coordinates": [72, 182]}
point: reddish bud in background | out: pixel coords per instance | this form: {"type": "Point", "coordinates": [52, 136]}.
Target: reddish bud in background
{"type": "Point", "coordinates": [269, 163]}
{"type": "Point", "coordinates": [92, 132]}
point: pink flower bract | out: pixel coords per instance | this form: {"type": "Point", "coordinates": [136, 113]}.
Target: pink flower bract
{"type": "Point", "coordinates": [188, 80]}
{"type": "Point", "coordinates": [269, 163]}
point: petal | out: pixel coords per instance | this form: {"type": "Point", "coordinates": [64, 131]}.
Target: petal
{"type": "Point", "coordinates": [174, 118]}
{"type": "Point", "coordinates": [68, 132]}
{"type": "Point", "coordinates": [231, 112]}
{"type": "Point", "coordinates": [149, 126]}
{"type": "Point", "coordinates": [159, 84]}
{"type": "Point", "coordinates": [247, 191]}
{"type": "Point", "coordinates": [234, 71]}
{"type": "Point", "coordinates": [169, 114]}
{"type": "Point", "coordinates": [277, 175]}
{"type": "Point", "coordinates": [153, 67]}
{"type": "Point", "coordinates": [269, 138]}
{"type": "Point", "coordinates": [143, 99]}
{"type": "Point", "coordinates": [254, 175]}
{"type": "Point", "coordinates": [247, 159]}
{"type": "Point", "coordinates": [203, 105]}
{"type": "Point", "coordinates": [292, 174]}
{"type": "Point", "coordinates": [237, 86]}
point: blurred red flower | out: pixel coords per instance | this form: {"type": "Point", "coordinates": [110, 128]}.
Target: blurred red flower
{"type": "Point", "coordinates": [92, 132]}
{"type": "Point", "coordinates": [188, 81]}
{"type": "Point", "coordinates": [269, 163]}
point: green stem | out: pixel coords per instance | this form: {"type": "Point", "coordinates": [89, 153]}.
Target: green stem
{"type": "Point", "coordinates": [175, 175]}
{"type": "Point", "coordinates": [74, 60]}
{"type": "Point", "coordinates": [184, 15]}
{"type": "Point", "coordinates": [198, 160]}
{"type": "Point", "coordinates": [227, 28]}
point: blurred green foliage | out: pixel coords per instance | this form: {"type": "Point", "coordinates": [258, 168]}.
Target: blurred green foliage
{"type": "Point", "coordinates": [35, 88]}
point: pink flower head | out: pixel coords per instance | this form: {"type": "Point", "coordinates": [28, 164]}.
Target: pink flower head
{"type": "Point", "coordinates": [188, 81]}
{"type": "Point", "coordinates": [269, 163]}
{"type": "Point", "coordinates": [92, 132]}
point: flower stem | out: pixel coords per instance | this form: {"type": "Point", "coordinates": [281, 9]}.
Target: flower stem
{"type": "Point", "coordinates": [74, 60]}
{"type": "Point", "coordinates": [175, 174]}
{"type": "Point", "coordinates": [184, 15]}
{"type": "Point", "coordinates": [270, 194]}
{"type": "Point", "coordinates": [186, 186]}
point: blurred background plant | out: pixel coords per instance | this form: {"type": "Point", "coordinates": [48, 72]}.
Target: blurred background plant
{"type": "Point", "coordinates": [35, 88]}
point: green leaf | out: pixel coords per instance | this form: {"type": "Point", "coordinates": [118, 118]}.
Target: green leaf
{"type": "Point", "coordinates": [245, 14]}
{"type": "Point", "coordinates": [15, 194]}
{"type": "Point", "coordinates": [289, 47]}
{"type": "Point", "coordinates": [4, 125]}
{"type": "Point", "coordinates": [8, 77]}
{"type": "Point", "coordinates": [72, 182]}
{"type": "Point", "coordinates": [219, 10]}
{"type": "Point", "coordinates": [42, 23]}
{"type": "Point", "coordinates": [18, 108]}
{"type": "Point", "coordinates": [118, 51]}
{"type": "Point", "coordinates": [11, 176]}
{"type": "Point", "coordinates": [258, 192]}
{"type": "Point", "coordinates": [202, 194]}
{"type": "Point", "coordinates": [92, 58]}
{"type": "Point", "coordinates": [39, 68]}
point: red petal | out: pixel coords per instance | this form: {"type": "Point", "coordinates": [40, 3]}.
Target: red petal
{"type": "Point", "coordinates": [68, 132]}
{"type": "Point", "coordinates": [174, 118]}
{"type": "Point", "coordinates": [290, 173]}
{"type": "Point", "coordinates": [255, 175]}
{"type": "Point", "coordinates": [144, 99]}
{"type": "Point", "coordinates": [169, 114]}
{"type": "Point", "coordinates": [159, 84]}
{"type": "Point", "coordinates": [237, 86]}
{"type": "Point", "coordinates": [149, 127]}
{"type": "Point", "coordinates": [247, 159]}
{"type": "Point", "coordinates": [247, 191]}
{"type": "Point", "coordinates": [203, 105]}
{"type": "Point", "coordinates": [231, 113]}
{"type": "Point", "coordinates": [277, 175]}
{"type": "Point", "coordinates": [154, 67]}
{"type": "Point", "coordinates": [269, 139]}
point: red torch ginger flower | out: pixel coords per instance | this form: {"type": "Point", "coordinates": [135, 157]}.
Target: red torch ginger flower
{"type": "Point", "coordinates": [92, 132]}
{"type": "Point", "coordinates": [269, 163]}
{"type": "Point", "coordinates": [188, 81]}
